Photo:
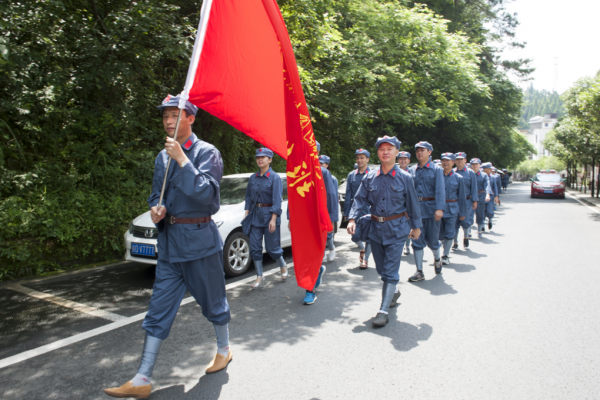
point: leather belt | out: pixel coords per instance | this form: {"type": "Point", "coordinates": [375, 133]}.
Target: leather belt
{"type": "Point", "coordinates": [451, 201]}
{"type": "Point", "coordinates": [426, 198]}
{"type": "Point", "coordinates": [384, 219]}
{"type": "Point", "coordinates": [261, 205]}
{"type": "Point", "coordinates": [481, 191]}
{"type": "Point", "coordinates": [175, 220]}
{"type": "Point", "coordinates": [468, 197]}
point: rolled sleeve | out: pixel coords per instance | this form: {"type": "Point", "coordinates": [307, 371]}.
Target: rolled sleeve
{"type": "Point", "coordinates": [473, 186]}
{"type": "Point", "coordinates": [277, 195]}
{"type": "Point", "coordinates": [413, 209]}
{"type": "Point", "coordinates": [360, 200]}
{"type": "Point", "coordinates": [462, 198]}
{"type": "Point", "coordinates": [486, 184]}
{"type": "Point", "coordinates": [248, 200]}
{"type": "Point", "coordinates": [440, 190]}
{"type": "Point", "coordinates": [348, 197]}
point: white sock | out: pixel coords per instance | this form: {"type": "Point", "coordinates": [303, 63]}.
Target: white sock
{"type": "Point", "coordinates": [396, 289]}
{"type": "Point", "coordinates": [383, 312]}
{"type": "Point", "coordinates": [223, 351]}
{"type": "Point", "coordinates": [140, 380]}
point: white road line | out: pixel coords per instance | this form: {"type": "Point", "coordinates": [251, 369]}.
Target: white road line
{"type": "Point", "coordinates": [594, 209]}
{"type": "Point", "coordinates": [66, 303]}
{"type": "Point", "coordinates": [26, 355]}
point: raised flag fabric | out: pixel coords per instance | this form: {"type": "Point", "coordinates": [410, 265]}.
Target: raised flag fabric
{"type": "Point", "coordinates": [244, 71]}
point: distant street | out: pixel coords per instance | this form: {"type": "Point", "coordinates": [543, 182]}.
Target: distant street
{"type": "Point", "coordinates": [516, 316]}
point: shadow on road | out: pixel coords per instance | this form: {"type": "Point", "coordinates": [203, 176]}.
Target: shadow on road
{"type": "Point", "coordinates": [436, 286]}
{"type": "Point", "coordinates": [403, 336]}
{"type": "Point", "coordinates": [208, 387]}
{"type": "Point", "coordinates": [461, 267]}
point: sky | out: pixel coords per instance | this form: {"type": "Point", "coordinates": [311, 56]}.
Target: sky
{"type": "Point", "coordinates": [566, 33]}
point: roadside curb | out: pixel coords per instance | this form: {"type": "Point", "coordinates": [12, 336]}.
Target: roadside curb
{"type": "Point", "coordinates": [583, 199]}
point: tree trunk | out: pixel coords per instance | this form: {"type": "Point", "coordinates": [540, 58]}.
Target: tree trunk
{"type": "Point", "coordinates": [593, 176]}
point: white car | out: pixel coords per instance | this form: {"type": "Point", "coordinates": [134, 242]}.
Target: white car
{"type": "Point", "coordinates": [140, 239]}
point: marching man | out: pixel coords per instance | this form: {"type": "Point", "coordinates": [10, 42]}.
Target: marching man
{"type": "Point", "coordinates": [395, 214]}
{"type": "Point", "coordinates": [190, 248]}
{"type": "Point", "coordinates": [353, 182]}
{"type": "Point", "coordinates": [470, 180]}
{"type": "Point", "coordinates": [429, 185]}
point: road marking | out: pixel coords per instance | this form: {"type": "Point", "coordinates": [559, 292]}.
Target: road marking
{"type": "Point", "coordinates": [594, 209]}
{"type": "Point", "coordinates": [66, 303]}
{"type": "Point", "coordinates": [26, 355]}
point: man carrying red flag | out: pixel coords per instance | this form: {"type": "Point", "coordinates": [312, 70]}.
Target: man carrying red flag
{"type": "Point", "coordinates": [190, 248]}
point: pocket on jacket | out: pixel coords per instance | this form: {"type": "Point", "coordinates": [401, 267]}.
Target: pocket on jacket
{"type": "Point", "coordinates": [199, 236]}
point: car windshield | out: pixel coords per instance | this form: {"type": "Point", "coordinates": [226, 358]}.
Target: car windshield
{"type": "Point", "coordinates": [548, 178]}
{"type": "Point", "coordinates": [233, 190]}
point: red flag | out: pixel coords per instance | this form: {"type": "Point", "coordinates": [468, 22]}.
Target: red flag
{"type": "Point", "coordinates": [237, 74]}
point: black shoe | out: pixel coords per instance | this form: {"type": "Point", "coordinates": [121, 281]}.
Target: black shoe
{"type": "Point", "coordinates": [466, 243]}
{"type": "Point", "coordinates": [394, 302]}
{"type": "Point", "coordinates": [406, 251]}
{"type": "Point", "coordinates": [380, 320]}
{"type": "Point", "coordinates": [445, 260]}
{"type": "Point", "coordinates": [482, 229]}
{"type": "Point", "coordinates": [437, 264]}
{"type": "Point", "coordinates": [455, 246]}
{"type": "Point", "coordinates": [490, 225]}
{"type": "Point", "coordinates": [418, 276]}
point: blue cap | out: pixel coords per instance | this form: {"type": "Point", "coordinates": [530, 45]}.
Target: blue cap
{"type": "Point", "coordinates": [437, 162]}
{"type": "Point", "coordinates": [173, 101]}
{"type": "Point", "coordinates": [425, 145]}
{"type": "Point", "coordinates": [355, 166]}
{"type": "Point", "coordinates": [468, 165]}
{"type": "Point", "coordinates": [324, 159]}
{"type": "Point", "coordinates": [318, 146]}
{"type": "Point", "coordinates": [404, 154]}
{"type": "Point", "coordinates": [448, 156]}
{"type": "Point", "coordinates": [486, 165]}
{"type": "Point", "coordinates": [388, 139]}
{"type": "Point", "coordinates": [460, 154]}
{"type": "Point", "coordinates": [264, 152]}
{"type": "Point", "coordinates": [364, 152]}
{"type": "Point", "coordinates": [475, 161]}
{"type": "Point", "coordinates": [494, 169]}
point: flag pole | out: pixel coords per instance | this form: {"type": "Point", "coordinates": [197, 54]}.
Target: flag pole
{"type": "Point", "coordinates": [189, 82]}
{"type": "Point", "coordinates": [162, 191]}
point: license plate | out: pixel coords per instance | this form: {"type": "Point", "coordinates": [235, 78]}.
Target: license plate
{"type": "Point", "coordinates": [548, 191]}
{"type": "Point", "coordinates": [142, 249]}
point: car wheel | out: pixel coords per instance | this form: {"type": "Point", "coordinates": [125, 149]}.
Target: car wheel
{"type": "Point", "coordinates": [236, 255]}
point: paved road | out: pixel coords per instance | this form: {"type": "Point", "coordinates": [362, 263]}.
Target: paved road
{"type": "Point", "coordinates": [516, 316]}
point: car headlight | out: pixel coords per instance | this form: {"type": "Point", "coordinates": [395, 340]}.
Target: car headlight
{"type": "Point", "coordinates": [536, 186]}
{"type": "Point", "coordinates": [131, 227]}
{"type": "Point", "coordinates": [218, 223]}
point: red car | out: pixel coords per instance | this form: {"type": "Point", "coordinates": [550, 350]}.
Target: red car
{"type": "Point", "coordinates": [547, 184]}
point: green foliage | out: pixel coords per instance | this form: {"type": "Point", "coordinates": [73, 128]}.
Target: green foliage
{"type": "Point", "coordinates": [576, 139]}
{"type": "Point", "coordinates": [531, 167]}
{"type": "Point", "coordinates": [79, 83]}
{"type": "Point", "coordinates": [539, 102]}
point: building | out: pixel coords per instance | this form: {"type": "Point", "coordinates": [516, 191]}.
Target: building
{"type": "Point", "coordinates": [538, 129]}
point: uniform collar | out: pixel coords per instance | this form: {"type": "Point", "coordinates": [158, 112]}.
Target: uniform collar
{"type": "Point", "coordinates": [267, 174]}
{"type": "Point", "coordinates": [450, 174]}
{"type": "Point", "coordinates": [395, 169]}
{"type": "Point", "coordinates": [188, 144]}
{"type": "Point", "coordinates": [428, 165]}
{"type": "Point", "coordinates": [356, 172]}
